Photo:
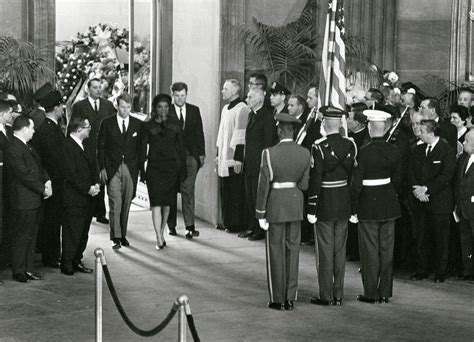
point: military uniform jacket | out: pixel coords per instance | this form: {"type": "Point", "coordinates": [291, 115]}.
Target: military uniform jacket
{"type": "Point", "coordinates": [377, 160]}
{"type": "Point", "coordinates": [464, 188]}
{"type": "Point", "coordinates": [285, 162]}
{"type": "Point", "coordinates": [332, 160]}
{"type": "Point", "coordinates": [436, 172]}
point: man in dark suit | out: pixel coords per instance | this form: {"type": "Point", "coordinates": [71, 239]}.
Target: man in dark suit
{"type": "Point", "coordinates": [48, 142]}
{"type": "Point", "coordinates": [430, 110]}
{"type": "Point", "coordinates": [96, 109]}
{"type": "Point", "coordinates": [259, 134]}
{"type": "Point", "coordinates": [118, 151]}
{"type": "Point", "coordinates": [189, 119]}
{"type": "Point", "coordinates": [297, 108]}
{"type": "Point", "coordinates": [464, 196]}
{"type": "Point", "coordinates": [284, 175]}
{"type": "Point", "coordinates": [28, 185]}
{"type": "Point", "coordinates": [81, 184]}
{"type": "Point", "coordinates": [430, 176]}
{"type": "Point", "coordinates": [329, 205]}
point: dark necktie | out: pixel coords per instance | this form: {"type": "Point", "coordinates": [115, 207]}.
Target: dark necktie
{"type": "Point", "coordinates": [124, 128]}
{"type": "Point", "coordinates": [428, 151]}
{"type": "Point", "coordinates": [95, 106]}
{"type": "Point", "coordinates": [251, 118]}
{"type": "Point", "coordinates": [181, 118]}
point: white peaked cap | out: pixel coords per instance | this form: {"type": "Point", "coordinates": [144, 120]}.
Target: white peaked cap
{"type": "Point", "coordinates": [376, 115]}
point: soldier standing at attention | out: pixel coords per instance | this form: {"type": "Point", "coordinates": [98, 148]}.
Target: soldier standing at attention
{"type": "Point", "coordinates": [284, 175]}
{"type": "Point", "coordinates": [329, 204]}
{"type": "Point", "coordinates": [375, 202]}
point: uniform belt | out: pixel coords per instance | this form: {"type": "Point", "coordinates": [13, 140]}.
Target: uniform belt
{"type": "Point", "coordinates": [283, 185]}
{"type": "Point", "coordinates": [375, 182]}
{"type": "Point", "coordinates": [334, 184]}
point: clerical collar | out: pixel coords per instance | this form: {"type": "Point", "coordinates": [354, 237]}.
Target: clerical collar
{"type": "Point", "coordinates": [234, 103]}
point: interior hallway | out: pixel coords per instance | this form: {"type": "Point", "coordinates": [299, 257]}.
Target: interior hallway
{"type": "Point", "coordinates": [225, 280]}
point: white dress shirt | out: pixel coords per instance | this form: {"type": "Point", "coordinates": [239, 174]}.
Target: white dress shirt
{"type": "Point", "coordinates": [91, 101]}
{"type": "Point", "coordinates": [120, 121]}
{"type": "Point", "coordinates": [180, 110]}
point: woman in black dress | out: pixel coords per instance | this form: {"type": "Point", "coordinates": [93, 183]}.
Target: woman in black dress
{"type": "Point", "coordinates": [458, 117]}
{"type": "Point", "coordinates": [162, 147]}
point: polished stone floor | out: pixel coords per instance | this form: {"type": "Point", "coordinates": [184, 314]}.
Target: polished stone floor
{"type": "Point", "coordinates": [224, 278]}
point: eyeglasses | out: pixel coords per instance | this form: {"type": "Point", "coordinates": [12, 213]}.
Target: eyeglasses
{"type": "Point", "coordinates": [255, 84]}
{"type": "Point", "coordinates": [87, 127]}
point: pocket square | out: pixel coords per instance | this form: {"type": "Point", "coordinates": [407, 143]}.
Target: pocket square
{"type": "Point", "coordinates": [134, 135]}
{"type": "Point", "coordinates": [472, 199]}
{"type": "Point", "coordinates": [436, 161]}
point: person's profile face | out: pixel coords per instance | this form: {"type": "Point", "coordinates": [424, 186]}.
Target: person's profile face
{"type": "Point", "coordinates": [124, 108]}
{"type": "Point", "coordinates": [29, 131]}
{"type": "Point", "coordinates": [312, 98]}
{"type": "Point", "coordinates": [465, 99]}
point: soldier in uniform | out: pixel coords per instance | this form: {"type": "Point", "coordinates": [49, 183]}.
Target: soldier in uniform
{"type": "Point", "coordinates": [284, 175]}
{"type": "Point", "coordinates": [329, 204]}
{"type": "Point", "coordinates": [278, 98]}
{"type": "Point", "coordinates": [375, 202]}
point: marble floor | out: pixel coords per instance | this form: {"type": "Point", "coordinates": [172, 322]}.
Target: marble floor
{"type": "Point", "coordinates": [225, 280]}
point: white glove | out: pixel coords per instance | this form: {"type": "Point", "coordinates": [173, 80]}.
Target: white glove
{"type": "Point", "coordinates": [354, 219]}
{"type": "Point", "coordinates": [311, 218]}
{"type": "Point", "coordinates": [263, 224]}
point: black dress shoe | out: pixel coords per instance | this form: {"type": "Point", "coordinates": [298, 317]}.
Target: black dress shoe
{"type": "Point", "coordinates": [384, 300]}
{"type": "Point", "coordinates": [20, 277]}
{"type": "Point", "coordinates": [189, 235]}
{"type": "Point", "coordinates": [67, 271]}
{"type": "Point", "coordinates": [117, 244]}
{"type": "Point", "coordinates": [439, 278]}
{"type": "Point", "coordinates": [245, 234]}
{"type": "Point", "coordinates": [318, 301]}
{"type": "Point", "coordinates": [276, 306]}
{"type": "Point", "coordinates": [364, 299]}
{"type": "Point", "coordinates": [52, 264]}
{"type": "Point", "coordinates": [289, 305]}
{"type": "Point", "coordinates": [81, 268]}
{"type": "Point", "coordinates": [220, 227]}
{"type": "Point", "coordinates": [195, 233]}
{"type": "Point", "coordinates": [256, 237]}
{"type": "Point", "coordinates": [172, 231]}
{"type": "Point", "coordinates": [102, 219]}
{"type": "Point", "coordinates": [34, 276]}
{"type": "Point", "coordinates": [337, 301]}
{"type": "Point", "coordinates": [124, 242]}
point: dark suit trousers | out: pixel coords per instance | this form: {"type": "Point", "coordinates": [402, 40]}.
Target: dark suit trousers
{"type": "Point", "coordinates": [24, 228]}
{"type": "Point", "coordinates": [330, 243]}
{"type": "Point", "coordinates": [187, 189]}
{"type": "Point", "coordinates": [282, 254]}
{"type": "Point", "coordinates": [51, 226]}
{"type": "Point", "coordinates": [432, 233]}
{"type": "Point", "coordinates": [234, 208]}
{"type": "Point", "coordinates": [251, 185]}
{"type": "Point", "coordinates": [467, 245]}
{"type": "Point", "coordinates": [99, 210]}
{"type": "Point", "coordinates": [376, 240]}
{"type": "Point", "coordinates": [77, 221]}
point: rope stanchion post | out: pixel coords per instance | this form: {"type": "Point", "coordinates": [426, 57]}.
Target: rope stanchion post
{"type": "Point", "coordinates": [182, 302]}
{"type": "Point", "coordinates": [99, 260]}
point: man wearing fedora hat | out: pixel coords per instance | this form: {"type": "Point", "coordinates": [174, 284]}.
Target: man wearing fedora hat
{"type": "Point", "coordinates": [284, 175]}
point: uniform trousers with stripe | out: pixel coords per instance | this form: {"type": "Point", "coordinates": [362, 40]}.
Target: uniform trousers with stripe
{"type": "Point", "coordinates": [120, 192]}
{"type": "Point", "coordinates": [282, 251]}
{"type": "Point", "coordinates": [330, 243]}
{"type": "Point", "coordinates": [376, 239]}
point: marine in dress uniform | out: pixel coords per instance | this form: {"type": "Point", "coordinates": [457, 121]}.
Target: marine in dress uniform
{"type": "Point", "coordinates": [284, 175]}
{"type": "Point", "coordinates": [329, 204]}
{"type": "Point", "coordinates": [375, 202]}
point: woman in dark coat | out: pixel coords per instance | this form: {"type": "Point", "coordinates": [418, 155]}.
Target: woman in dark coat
{"type": "Point", "coordinates": [162, 147]}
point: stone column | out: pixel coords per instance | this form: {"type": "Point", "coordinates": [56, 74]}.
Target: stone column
{"type": "Point", "coordinates": [461, 66]}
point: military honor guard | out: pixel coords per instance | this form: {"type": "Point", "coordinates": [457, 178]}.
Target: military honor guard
{"type": "Point", "coordinates": [375, 202]}
{"type": "Point", "coordinates": [284, 175]}
{"type": "Point", "coordinates": [329, 205]}
{"type": "Point", "coordinates": [278, 98]}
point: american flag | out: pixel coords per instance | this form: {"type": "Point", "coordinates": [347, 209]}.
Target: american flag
{"type": "Point", "coordinates": [332, 84]}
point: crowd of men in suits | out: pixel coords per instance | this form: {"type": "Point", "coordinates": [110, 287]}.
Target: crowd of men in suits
{"type": "Point", "coordinates": [390, 177]}
{"type": "Point", "coordinates": [54, 177]}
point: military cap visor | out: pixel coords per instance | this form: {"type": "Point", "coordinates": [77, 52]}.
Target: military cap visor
{"type": "Point", "coordinates": [330, 112]}
{"type": "Point", "coordinates": [52, 99]}
{"type": "Point", "coordinates": [277, 88]}
{"type": "Point", "coordinates": [285, 117]}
